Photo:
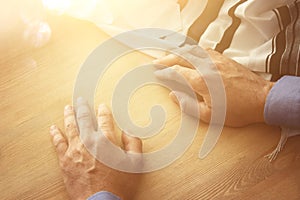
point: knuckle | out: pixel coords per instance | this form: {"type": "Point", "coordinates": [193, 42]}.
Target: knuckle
{"type": "Point", "coordinates": [206, 116]}
{"type": "Point", "coordinates": [64, 163]}
{"type": "Point", "coordinates": [105, 119]}
{"type": "Point", "coordinates": [77, 154]}
{"type": "Point", "coordinates": [57, 139]}
{"type": "Point", "coordinates": [104, 113]}
{"type": "Point", "coordinates": [106, 125]}
{"type": "Point", "coordinates": [71, 129]}
{"type": "Point", "coordinates": [69, 119]}
{"type": "Point", "coordinates": [176, 67]}
{"type": "Point", "coordinates": [219, 64]}
{"type": "Point", "coordinates": [83, 115]}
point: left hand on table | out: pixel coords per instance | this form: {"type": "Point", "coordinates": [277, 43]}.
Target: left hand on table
{"type": "Point", "coordinates": [83, 174]}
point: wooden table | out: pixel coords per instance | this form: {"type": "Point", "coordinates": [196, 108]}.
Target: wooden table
{"type": "Point", "coordinates": [36, 84]}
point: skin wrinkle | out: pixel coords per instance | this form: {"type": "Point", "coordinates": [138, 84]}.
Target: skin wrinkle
{"type": "Point", "coordinates": [72, 130]}
{"type": "Point", "coordinates": [84, 175]}
{"type": "Point", "coordinates": [246, 92]}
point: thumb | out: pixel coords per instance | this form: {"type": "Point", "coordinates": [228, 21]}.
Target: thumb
{"type": "Point", "coordinates": [191, 106]}
{"type": "Point", "coordinates": [132, 144]}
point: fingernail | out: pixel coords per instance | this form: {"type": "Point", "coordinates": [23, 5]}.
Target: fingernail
{"type": "Point", "coordinates": [80, 100]}
{"type": "Point", "coordinates": [52, 128]}
{"type": "Point", "coordinates": [68, 107]}
{"type": "Point", "coordinates": [163, 73]}
{"type": "Point", "coordinates": [172, 94]}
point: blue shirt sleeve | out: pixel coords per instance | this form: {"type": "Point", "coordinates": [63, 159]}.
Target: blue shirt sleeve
{"type": "Point", "coordinates": [282, 106]}
{"type": "Point", "coordinates": [103, 195]}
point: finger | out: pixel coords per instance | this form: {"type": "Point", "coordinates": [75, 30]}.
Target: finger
{"type": "Point", "coordinates": [70, 123]}
{"type": "Point", "coordinates": [132, 144]}
{"type": "Point", "coordinates": [186, 56]}
{"type": "Point", "coordinates": [170, 60]}
{"type": "Point", "coordinates": [83, 116]}
{"type": "Point", "coordinates": [193, 77]}
{"type": "Point", "coordinates": [105, 123]}
{"type": "Point", "coordinates": [58, 141]}
{"type": "Point", "coordinates": [191, 106]}
{"type": "Point", "coordinates": [181, 75]}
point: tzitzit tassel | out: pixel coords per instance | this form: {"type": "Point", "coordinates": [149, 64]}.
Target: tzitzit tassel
{"type": "Point", "coordinates": [285, 134]}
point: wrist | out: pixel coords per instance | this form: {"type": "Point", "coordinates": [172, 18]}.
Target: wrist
{"type": "Point", "coordinates": [267, 90]}
{"type": "Point", "coordinates": [104, 195]}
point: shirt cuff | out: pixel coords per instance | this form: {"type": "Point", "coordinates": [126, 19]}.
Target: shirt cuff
{"type": "Point", "coordinates": [103, 195]}
{"type": "Point", "coordinates": [282, 106]}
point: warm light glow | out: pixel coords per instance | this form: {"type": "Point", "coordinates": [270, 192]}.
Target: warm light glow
{"type": "Point", "coordinates": [97, 11]}
{"type": "Point", "coordinates": [116, 16]}
{"type": "Point", "coordinates": [57, 5]}
{"type": "Point", "coordinates": [37, 34]}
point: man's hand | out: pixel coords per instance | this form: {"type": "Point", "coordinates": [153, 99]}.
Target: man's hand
{"type": "Point", "coordinates": [246, 92]}
{"type": "Point", "coordinates": [83, 174]}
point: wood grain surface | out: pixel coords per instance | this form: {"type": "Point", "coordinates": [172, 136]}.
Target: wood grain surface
{"type": "Point", "coordinates": [36, 84]}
